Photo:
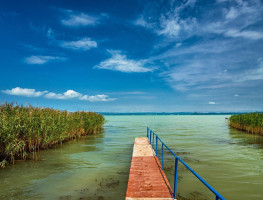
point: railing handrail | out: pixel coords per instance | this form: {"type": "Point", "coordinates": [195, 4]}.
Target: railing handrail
{"type": "Point", "coordinates": [149, 133]}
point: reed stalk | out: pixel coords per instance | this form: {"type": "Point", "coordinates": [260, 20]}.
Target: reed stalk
{"type": "Point", "coordinates": [25, 130]}
{"type": "Point", "coordinates": [249, 122]}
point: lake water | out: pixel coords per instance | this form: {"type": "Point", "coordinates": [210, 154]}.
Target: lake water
{"type": "Point", "coordinates": [97, 167]}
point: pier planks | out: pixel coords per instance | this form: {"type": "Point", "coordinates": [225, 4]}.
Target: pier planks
{"type": "Point", "coordinates": [147, 181]}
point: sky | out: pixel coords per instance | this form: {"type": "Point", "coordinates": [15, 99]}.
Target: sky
{"type": "Point", "coordinates": [133, 56]}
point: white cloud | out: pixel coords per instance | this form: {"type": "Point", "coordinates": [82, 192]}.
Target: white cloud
{"type": "Point", "coordinates": [170, 28]}
{"type": "Point", "coordinates": [238, 21]}
{"type": "Point", "coordinates": [219, 51]}
{"type": "Point", "coordinates": [252, 74]}
{"type": "Point", "coordinates": [201, 72]}
{"type": "Point", "coordinates": [167, 20]}
{"type": "Point", "coordinates": [52, 95]}
{"type": "Point", "coordinates": [254, 35]}
{"type": "Point", "coordinates": [232, 13]}
{"type": "Point", "coordinates": [120, 62]}
{"type": "Point", "coordinates": [79, 19]}
{"type": "Point", "coordinates": [236, 95]}
{"type": "Point", "coordinates": [99, 97]}
{"type": "Point", "coordinates": [217, 63]}
{"type": "Point", "coordinates": [193, 73]}
{"type": "Point", "coordinates": [24, 92]}
{"type": "Point", "coordinates": [39, 59]}
{"type": "Point", "coordinates": [171, 21]}
{"type": "Point", "coordinates": [140, 22]}
{"type": "Point", "coordinates": [69, 94]}
{"type": "Point", "coordinates": [82, 44]}
{"type": "Point", "coordinates": [178, 44]}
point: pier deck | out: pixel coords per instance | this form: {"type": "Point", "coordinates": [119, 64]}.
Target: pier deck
{"type": "Point", "coordinates": [147, 180]}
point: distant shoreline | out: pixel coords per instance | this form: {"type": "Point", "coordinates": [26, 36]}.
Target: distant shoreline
{"type": "Point", "coordinates": [173, 113]}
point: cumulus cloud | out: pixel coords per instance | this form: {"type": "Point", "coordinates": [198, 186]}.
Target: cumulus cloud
{"type": "Point", "coordinates": [82, 44]}
{"type": "Point", "coordinates": [39, 59]}
{"type": "Point", "coordinates": [99, 97]}
{"type": "Point", "coordinates": [78, 19]}
{"type": "Point", "coordinates": [211, 102]}
{"type": "Point", "coordinates": [18, 91]}
{"type": "Point", "coordinates": [120, 62]}
{"type": "Point", "coordinates": [69, 94]}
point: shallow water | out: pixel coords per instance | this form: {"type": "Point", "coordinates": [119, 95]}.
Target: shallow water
{"type": "Point", "coordinates": [97, 167]}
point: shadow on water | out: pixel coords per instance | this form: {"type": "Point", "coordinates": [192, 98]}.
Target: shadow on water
{"type": "Point", "coordinates": [245, 139]}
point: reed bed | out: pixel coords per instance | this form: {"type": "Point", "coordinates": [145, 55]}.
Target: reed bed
{"type": "Point", "coordinates": [250, 122]}
{"type": "Point", "coordinates": [24, 130]}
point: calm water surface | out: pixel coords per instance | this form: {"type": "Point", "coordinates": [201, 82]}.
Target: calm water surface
{"type": "Point", "coordinates": [97, 167]}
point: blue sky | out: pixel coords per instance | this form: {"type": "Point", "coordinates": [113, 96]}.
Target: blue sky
{"type": "Point", "coordinates": [133, 56]}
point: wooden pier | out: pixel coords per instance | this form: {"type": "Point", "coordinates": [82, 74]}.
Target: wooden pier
{"type": "Point", "coordinates": [147, 180]}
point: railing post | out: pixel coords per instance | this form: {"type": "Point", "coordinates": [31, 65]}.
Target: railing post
{"type": "Point", "coordinates": [162, 156]}
{"type": "Point", "coordinates": [151, 134]}
{"type": "Point", "coordinates": [175, 176]}
{"type": "Point", "coordinates": [156, 140]}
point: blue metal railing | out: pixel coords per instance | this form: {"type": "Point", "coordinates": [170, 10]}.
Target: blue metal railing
{"type": "Point", "coordinates": [151, 136]}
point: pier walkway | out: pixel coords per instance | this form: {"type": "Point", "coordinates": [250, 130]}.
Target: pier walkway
{"type": "Point", "coordinates": [147, 180]}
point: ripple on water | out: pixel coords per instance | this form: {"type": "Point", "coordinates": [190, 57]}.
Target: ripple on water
{"type": "Point", "coordinates": [97, 167]}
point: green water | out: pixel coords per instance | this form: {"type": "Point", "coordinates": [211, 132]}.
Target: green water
{"type": "Point", "coordinates": [97, 167]}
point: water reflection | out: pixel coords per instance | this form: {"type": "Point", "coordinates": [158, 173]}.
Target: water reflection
{"type": "Point", "coordinates": [245, 139]}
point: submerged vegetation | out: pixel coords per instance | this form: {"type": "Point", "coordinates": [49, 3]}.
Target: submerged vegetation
{"type": "Point", "coordinates": [250, 122]}
{"type": "Point", "coordinates": [28, 129]}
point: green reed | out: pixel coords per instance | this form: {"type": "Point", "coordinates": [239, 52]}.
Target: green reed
{"type": "Point", "coordinates": [250, 122]}
{"type": "Point", "coordinates": [28, 129]}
